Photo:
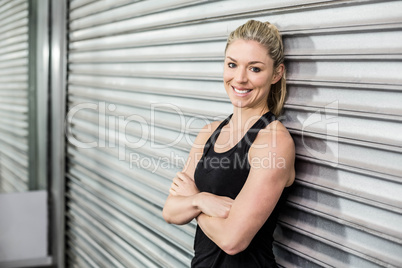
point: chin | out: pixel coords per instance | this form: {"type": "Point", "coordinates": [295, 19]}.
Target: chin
{"type": "Point", "coordinates": [238, 104]}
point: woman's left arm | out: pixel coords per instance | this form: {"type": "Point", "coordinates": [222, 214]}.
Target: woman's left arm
{"type": "Point", "coordinates": [272, 169]}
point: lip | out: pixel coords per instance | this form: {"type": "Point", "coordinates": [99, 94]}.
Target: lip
{"type": "Point", "coordinates": [241, 94]}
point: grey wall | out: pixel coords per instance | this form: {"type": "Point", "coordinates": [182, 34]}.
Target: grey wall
{"type": "Point", "coordinates": [24, 229]}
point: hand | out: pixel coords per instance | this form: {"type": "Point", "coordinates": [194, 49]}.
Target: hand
{"type": "Point", "coordinates": [214, 205]}
{"type": "Point", "coordinates": [183, 185]}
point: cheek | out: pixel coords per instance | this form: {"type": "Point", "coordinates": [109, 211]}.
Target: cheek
{"type": "Point", "coordinates": [227, 74]}
{"type": "Point", "coordinates": [262, 81]}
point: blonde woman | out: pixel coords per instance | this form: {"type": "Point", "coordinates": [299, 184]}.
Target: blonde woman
{"type": "Point", "coordinates": [235, 189]}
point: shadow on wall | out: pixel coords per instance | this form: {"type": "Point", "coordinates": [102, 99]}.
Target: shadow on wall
{"type": "Point", "coordinates": [302, 233]}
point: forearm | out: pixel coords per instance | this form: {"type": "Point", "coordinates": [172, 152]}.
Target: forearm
{"type": "Point", "coordinates": [180, 209]}
{"type": "Point", "coordinates": [222, 232]}
{"type": "Point", "coordinates": [215, 228]}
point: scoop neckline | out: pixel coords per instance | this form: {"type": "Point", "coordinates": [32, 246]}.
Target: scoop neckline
{"type": "Point", "coordinates": [237, 144]}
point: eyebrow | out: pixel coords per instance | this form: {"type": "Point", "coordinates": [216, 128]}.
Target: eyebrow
{"type": "Point", "coordinates": [251, 62]}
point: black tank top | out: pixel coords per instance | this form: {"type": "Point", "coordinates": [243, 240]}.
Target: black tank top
{"type": "Point", "coordinates": [224, 174]}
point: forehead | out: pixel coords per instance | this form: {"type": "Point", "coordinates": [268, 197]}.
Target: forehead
{"type": "Point", "coordinates": [247, 50]}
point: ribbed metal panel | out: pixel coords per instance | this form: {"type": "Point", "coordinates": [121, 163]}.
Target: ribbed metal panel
{"type": "Point", "coordinates": [14, 96]}
{"type": "Point", "coordinates": [145, 76]}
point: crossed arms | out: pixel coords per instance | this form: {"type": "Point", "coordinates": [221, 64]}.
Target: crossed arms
{"type": "Point", "coordinates": [232, 224]}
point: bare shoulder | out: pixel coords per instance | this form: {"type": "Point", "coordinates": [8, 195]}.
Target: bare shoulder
{"type": "Point", "coordinates": [275, 135]}
{"type": "Point", "coordinates": [206, 132]}
{"type": "Point", "coordinates": [210, 128]}
{"type": "Point", "coordinates": [198, 148]}
{"type": "Point", "coordinates": [275, 146]}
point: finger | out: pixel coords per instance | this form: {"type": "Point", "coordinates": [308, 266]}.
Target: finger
{"type": "Point", "coordinates": [183, 176]}
{"type": "Point", "coordinates": [172, 192]}
{"type": "Point", "coordinates": [177, 181]}
{"type": "Point", "coordinates": [229, 201]}
{"type": "Point", "coordinates": [176, 177]}
{"type": "Point", "coordinates": [180, 176]}
{"type": "Point", "coordinates": [174, 186]}
{"type": "Point", "coordinates": [229, 205]}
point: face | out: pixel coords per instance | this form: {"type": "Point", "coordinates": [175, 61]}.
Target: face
{"type": "Point", "coordinates": [249, 74]}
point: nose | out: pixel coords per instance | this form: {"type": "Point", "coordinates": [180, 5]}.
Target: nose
{"type": "Point", "coordinates": [241, 75]}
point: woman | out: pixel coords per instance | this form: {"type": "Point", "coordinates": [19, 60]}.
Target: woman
{"type": "Point", "coordinates": [235, 189]}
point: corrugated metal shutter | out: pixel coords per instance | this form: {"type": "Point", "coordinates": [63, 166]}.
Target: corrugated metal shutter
{"type": "Point", "coordinates": [14, 149]}
{"type": "Point", "coordinates": [151, 71]}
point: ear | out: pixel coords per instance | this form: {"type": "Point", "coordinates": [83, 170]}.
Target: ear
{"type": "Point", "coordinates": [278, 73]}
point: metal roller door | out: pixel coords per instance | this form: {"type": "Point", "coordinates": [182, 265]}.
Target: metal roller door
{"type": "Point", "coordinates": [145, 76]}
{"type": "Point", "coordinates": [14, 105]}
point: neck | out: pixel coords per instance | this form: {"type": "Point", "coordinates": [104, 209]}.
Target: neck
{"type": "Point", "coordinates": [246, 117]}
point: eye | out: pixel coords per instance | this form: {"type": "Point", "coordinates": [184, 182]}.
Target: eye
{"type": "Point", "coordinates": [255, 69]}
{"type": "Point", "coordinates": [231, 65]}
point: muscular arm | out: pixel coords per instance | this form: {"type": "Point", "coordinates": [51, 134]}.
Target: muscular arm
{"type": "Point", "coordinates": [258, 197]}
{"type": "Point", "coordinates": [185, 202]}
{"type": "Point", "coordinates": [180, 209]}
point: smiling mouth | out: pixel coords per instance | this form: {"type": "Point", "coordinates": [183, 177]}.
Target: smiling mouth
{"type": "Point", "coordinates": [243, 91]}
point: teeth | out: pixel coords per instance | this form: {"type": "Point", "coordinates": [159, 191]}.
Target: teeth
{"type": "Point", "coordinates": [241, 91]}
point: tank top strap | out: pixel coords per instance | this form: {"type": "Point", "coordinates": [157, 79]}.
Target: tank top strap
{"type": "Point", "coordinates": [252, 133]}
{"type": "Point", "coordinates": [212, 139]}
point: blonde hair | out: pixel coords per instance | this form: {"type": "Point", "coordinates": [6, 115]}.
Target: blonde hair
{"type": "Point", "coordinates": [267, 35]}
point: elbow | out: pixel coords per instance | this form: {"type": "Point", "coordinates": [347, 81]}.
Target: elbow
{"type": "Point", "coordinates": [234, 247]}
{"type": "Point", "coordinates": [169, 218]}
{"type": "Point", "coordinates": [166, 216]}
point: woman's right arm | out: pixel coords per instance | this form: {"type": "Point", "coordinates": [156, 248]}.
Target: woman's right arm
{"type": "Point", "coordinates": [180, 209]}
{"type": "Point", "coordinates": [185, 202]}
